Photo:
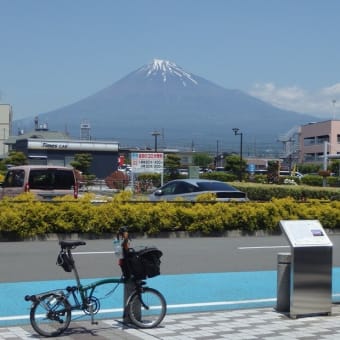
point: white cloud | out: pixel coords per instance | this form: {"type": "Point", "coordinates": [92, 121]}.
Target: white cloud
{"type": "Point", "coordinates": [318, 103]}
{"type": "Point", "coordinates": [333, 90]}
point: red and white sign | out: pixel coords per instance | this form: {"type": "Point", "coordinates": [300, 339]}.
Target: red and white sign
{"type": "Point", "coordinates": [147, 162]}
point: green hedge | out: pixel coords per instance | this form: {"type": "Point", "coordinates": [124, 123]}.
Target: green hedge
{"type": "Point", "coordinates": [266, 192]}
{"type": "Point", "coordinates": [219, 176]}
{"type": "Point", "coordinates": [27, 218]}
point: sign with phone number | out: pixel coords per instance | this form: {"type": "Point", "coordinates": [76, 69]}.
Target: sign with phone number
{"type": "Point", "coordinates": [147, 162]}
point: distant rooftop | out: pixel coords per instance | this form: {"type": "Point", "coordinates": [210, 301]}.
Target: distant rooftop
{"type": "Point", "coordinates": [39, 132]}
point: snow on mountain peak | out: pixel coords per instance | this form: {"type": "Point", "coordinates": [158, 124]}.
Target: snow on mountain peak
{"type": "Point", "coordinates": [163, 65]}
{"type": "Point", "coordinates": [166, 69]}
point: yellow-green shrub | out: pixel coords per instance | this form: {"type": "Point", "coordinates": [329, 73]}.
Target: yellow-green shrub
{"type": "Point", "coordinates": [25, 217]}
{"type": "Point", "coordinates": [266, 192]}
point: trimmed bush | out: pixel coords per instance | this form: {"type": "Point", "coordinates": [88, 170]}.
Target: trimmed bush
{"type": "Point", "coordinates": [219, 176]}
{"type": "Point", "coordinates": [266, 192]}
{"type": "Point", "coordinates": [313, 180]}
{"type": "Point", "coordinates": [24, 217]}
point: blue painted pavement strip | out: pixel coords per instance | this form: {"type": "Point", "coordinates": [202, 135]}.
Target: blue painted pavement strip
{"type": "Point", "coordinates": [186, 293]}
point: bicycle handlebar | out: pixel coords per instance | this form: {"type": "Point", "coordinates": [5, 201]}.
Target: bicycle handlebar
{"type": "Point", "coordinates": [71, 244]}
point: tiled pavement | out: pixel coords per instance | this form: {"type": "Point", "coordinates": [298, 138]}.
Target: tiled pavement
{"type": "Point", "coordinates": [260, 323]}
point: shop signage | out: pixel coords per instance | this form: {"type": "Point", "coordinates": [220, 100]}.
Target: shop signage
{"type": "Point", "coordinates": [75, 146]}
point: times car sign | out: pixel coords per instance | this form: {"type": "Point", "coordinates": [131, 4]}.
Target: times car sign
{"type": "Point", "coordinates": [147, 162]}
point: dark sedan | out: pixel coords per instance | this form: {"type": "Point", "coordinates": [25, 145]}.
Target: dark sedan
{"type": "Point", "coordinates": [189, 189]}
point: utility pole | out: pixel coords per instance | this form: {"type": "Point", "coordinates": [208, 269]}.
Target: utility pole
{"type": "Point", "coordinates": [238, 133]}
{"type": "Point", "coordinates": [156, 134]}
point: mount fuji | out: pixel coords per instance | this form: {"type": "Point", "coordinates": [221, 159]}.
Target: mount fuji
{"type": "Point", "coordinates": [184, 107]}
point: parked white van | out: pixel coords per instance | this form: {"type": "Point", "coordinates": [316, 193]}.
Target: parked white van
{"type": "Point", "coordinates": [45, 181]}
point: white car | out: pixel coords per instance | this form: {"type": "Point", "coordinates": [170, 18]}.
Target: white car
{"type": "Point", "coordinates": [189, 189]}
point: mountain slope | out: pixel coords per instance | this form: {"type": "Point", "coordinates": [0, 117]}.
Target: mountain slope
{"type": "Point", "coordinates": [189, 108]}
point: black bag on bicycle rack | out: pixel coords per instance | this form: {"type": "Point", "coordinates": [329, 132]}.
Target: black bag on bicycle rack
{"type": "Point", "coordinates": [142, 264]}
{"type": "Point", "coordinates": [64, 261]}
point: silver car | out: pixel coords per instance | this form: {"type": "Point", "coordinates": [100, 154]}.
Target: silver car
{"type": "Point", "coordinates": [189, 189]}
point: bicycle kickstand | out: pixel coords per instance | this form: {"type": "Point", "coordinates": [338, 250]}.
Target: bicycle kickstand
{"type": "Point", "coordinates": [92, 315]}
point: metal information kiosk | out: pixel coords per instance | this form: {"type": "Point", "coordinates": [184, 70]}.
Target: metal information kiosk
{"type": "Point", "coordinates": [311, 267]}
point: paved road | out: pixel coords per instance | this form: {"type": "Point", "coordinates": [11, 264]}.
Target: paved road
{"type": "Point", "coordinates": [35, 261]}
{"type": "Point", "coordinates": [240, 263]}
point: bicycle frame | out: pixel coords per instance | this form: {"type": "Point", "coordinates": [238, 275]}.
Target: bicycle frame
{"type": "Point", "coordinates": [56, 305]}
{"type": "Point", "coordinates": [82, 295]}
{"type": "Point", "coordinates": [93, 285]}
{"type": "Point", "coordinates": [85, 292]}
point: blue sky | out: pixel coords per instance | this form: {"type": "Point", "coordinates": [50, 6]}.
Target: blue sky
{"type": "Point", "coordinates": [55, 52]}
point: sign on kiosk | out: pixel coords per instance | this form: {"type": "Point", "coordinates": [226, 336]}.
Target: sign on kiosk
{"type": "Point", "coordinates": [147, 162]}
{"type": "Point", "coordinates": [305, 233]}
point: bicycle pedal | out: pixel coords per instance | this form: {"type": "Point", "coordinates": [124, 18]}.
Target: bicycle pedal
{"type": "Point", "coordinates": [94, 323]}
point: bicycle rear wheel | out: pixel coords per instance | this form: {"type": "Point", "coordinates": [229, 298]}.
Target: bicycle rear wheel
{"type": "Point", "coordinates": [146, 309]}
{"type": "Point", "coordinates": [50, 315]}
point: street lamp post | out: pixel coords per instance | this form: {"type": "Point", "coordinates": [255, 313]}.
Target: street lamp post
{"type": "Point", "coordinates": [156, 134]}
{"type": "Point", "coordinates": [238, 133]}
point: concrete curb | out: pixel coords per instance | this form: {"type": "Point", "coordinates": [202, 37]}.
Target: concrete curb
{"type": "Point", "coordinates": [171, 234]}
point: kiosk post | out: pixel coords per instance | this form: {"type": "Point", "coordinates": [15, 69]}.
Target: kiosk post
{"type": "Point", "coordinates": [311, 267]}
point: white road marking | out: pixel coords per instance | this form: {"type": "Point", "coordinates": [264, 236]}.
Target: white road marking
{"type": "Point", "coordinates": [92, 252]}
{"type": "Point", "coordinates": [112, 252]}
{"type": "Point", "coordinates": [263, 247]}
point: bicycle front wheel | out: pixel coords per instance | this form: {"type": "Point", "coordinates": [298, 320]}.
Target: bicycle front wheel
{"type": "Point", "coordinates": [50, 315]}
{"type": "Point", "coordinates": [146, 309]}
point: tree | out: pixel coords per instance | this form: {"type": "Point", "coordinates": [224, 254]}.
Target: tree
{"type": "Point", "coordinates": [335, 166]}
{"type": "Point", "coordinates": [117, 180]}
{"type": "Point", "coordinates": [82, 162]}
{"type": "Point", "coordinates": [172, 164]}
{"type": "Point", "coordinates": [273, 172]}
{"type": "Point", "coordinates": [309, 168]}
{"type": "Point", "coordinates": [16, 158]}
{"type": "Point", "coordinates": [202, 159]}
{"type": "Point", "coordinates": [234, 164]}
{"type": "Point", "coordinates": [3, 166]}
